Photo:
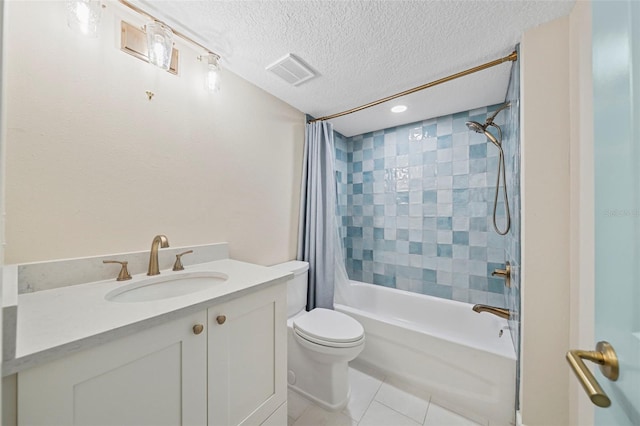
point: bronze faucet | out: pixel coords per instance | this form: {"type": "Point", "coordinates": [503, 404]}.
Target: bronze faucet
{"type": "Point", "coordinates": [158, 241]}
{"type": "Point", "coordinates": [501, 312]}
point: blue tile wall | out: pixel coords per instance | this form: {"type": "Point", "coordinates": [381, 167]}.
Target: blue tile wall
{"type": "Point", "coordinates": [342, 157]}
{"type": "Point", "coordinates": [417, 203]}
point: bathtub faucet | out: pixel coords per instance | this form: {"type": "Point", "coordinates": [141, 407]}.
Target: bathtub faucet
{"type": "Point", "coordinates": [501, 312]}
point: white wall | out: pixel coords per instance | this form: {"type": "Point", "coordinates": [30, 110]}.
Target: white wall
{"type": "Point", "coordinates": [545, 224]}
{"type": "Point", "coordinates": [94, 167]}
{"type": "Point", "coordinates": [582, 220]}
{"type": "Point", "coordinates": [2, 144]}
{"type": "Point", "coordinates": [557, 206]}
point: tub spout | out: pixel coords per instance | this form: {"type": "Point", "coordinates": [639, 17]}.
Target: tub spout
{"type": "Point", "coordinates": [501, 312]}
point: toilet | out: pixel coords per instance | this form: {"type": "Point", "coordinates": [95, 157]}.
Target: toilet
{"type": "Point", "coordinates": [320, 344]}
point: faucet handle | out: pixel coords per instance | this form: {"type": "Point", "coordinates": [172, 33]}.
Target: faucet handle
{"type": "Point", "coordinates": [504, 273]}
{"type": "Point", "coordinates": [178, 265]}
{"type": "Point", "coordinates": [124, 273]}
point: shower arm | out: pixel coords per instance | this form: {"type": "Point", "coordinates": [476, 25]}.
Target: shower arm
{"type": "Point", "coordinates": [490, 119]}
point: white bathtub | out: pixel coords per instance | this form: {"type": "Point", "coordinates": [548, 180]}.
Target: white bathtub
{"type": "Point", "coordinates": [441, 346]}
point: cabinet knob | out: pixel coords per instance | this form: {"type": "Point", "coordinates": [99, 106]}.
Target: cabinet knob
{"type": "Point", "coordinates": [221, 319]}
{"type": "Point", "coordinates": [198, 328]}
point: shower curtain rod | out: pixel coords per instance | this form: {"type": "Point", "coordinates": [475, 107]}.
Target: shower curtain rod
{"type": "Point", "coordinates": [512, 57]}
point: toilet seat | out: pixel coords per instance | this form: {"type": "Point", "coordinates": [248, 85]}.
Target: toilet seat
{"type": "Point", "coordinates": [329, 328]}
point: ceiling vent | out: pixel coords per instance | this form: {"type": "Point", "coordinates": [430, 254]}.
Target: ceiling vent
{"type": "Point", "coordinates": [291, 70]}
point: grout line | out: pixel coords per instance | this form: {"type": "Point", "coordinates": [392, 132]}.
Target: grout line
{"type": "Point", "coordinates": [372, 399]}
{"type": "Point", "coordinates": [407, 389]}
{"type": "Point", "coordinates": [309, 405]}
{"type": "Point", "coordinates": [304, 411]}
{"type": "Point", "coordinates": [485, 422]}
{"type": "Point", "coordinates": [381, 380]}
{"type": "Point", "coordinates": [399, 412]}
{"type": "Point", "coordinates": [426, 413]}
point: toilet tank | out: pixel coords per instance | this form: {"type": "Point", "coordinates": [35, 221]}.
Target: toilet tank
{"type": "Point", "coordinates": [297, 286]}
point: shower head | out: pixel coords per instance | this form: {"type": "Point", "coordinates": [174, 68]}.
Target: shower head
{"type": "Point", "coordinates": [475, 126]}
{"type": "Point", "coordinates": [482, 129]}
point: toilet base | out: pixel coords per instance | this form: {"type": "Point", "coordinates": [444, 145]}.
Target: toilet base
{"type": "Point", "coordinates": [325, 383]}
{"type": "Point", "coordinates": [320, 403]}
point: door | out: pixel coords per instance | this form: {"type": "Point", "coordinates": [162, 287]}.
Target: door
{"type": "Point", "coordinates": [616, 77]}
{"type": "Point", "coordinates": [154, 377]}
{"type": "Point", "coordinates": [247, 358]}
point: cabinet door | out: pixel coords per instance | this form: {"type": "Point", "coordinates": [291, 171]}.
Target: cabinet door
{"type": "Point", "coordinates": [154, 377]}
{"type": "Point", "coordinates": [247, 358]}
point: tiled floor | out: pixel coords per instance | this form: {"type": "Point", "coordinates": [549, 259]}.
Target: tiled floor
{"type": "Point", "coordinates": [376, 401]}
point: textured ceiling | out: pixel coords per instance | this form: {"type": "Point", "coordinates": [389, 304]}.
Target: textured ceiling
{"type": "Point", "coordinates": [366, 50]}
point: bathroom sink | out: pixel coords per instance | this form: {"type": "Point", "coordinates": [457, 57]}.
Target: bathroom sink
{"type": "Point", "coordinates": [166, 286]}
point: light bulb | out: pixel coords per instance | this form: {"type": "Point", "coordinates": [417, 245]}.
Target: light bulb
{"type": "Point", "coordinates": [82, 13]}
{"type": "Point", "coordinates": [159, 44]}
{"type": "Point", "coordinates": [213, 73]}
{"type": "Point", "coordinates": [84, 16]}
{"type": "Point", "coordinates": [213, 80]}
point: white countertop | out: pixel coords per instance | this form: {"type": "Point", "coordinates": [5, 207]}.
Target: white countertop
{"type": "Point", "coordinates": [56, 322]}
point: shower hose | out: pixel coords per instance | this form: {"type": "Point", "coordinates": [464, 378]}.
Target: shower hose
{"type": "Point", "coordinates": [501, 175]}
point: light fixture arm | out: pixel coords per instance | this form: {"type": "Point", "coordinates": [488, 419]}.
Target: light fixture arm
{"type": "Point", "coordinates": [211, 58]}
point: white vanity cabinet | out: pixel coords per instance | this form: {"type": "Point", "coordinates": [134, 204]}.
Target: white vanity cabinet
{"type": "Point", "coordinates": [233, 372]}
{"type": "Point", "coordinates": [154, 377]}
{"type": "Point", "coordinates": [248, 359]}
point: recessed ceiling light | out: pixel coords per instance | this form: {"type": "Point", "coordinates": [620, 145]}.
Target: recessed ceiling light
{"type": "Point", "coordinates": [399, 108]}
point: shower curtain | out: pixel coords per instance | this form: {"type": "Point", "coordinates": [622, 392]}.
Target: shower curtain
{"type": "Point", "coordinates": [318, 237]}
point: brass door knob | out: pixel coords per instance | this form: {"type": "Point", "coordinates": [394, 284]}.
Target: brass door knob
{"type": "Point", "coordinates": [608, 360]}
{"type": "Point", "coordinates": [198, 328]}
{"type": "Point", "coordinates": [220, 319]}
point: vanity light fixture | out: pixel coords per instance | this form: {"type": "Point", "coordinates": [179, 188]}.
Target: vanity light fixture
{"type": "Point", "coordinates": [133, 40]}
{"type": "Point", "coordinates": [160, 49]}
{"type": "Point", "coordinates": [399, 108]}
{"type": "Point", "coordinates": [84, 16]}
{"type": "Point", "coordinates": [159, 44]}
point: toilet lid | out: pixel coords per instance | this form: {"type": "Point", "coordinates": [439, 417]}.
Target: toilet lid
{"type": "Point", "coordinates": [327, 327]}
